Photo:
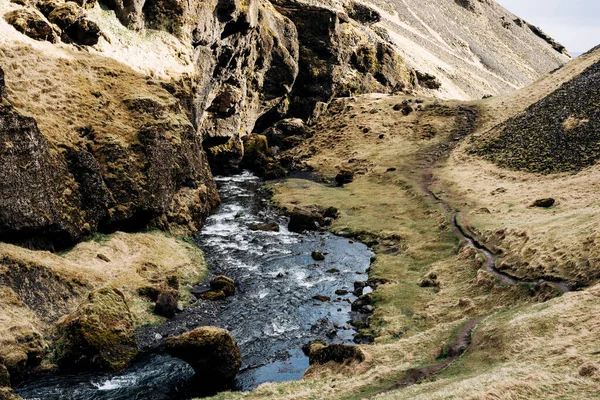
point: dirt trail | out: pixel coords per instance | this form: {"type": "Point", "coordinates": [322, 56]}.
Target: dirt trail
{"type": "Point", "coordinates": [466, 124]}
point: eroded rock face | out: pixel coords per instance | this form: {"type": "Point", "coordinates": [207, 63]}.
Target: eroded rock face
{"type": "Point", "coordinates": [33, 208]}
{"type": "Point", "coordinates": [339, 56]}
{"type": "Point", "coordinates": [212, 352]}
{"type": "Point", "coordinates": [100, 334]}
{"type": "Point", "coordinates": [52, 198]}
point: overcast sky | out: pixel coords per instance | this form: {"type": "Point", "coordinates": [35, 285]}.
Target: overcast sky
{"type": "Point", "coordinates": [574, 23]}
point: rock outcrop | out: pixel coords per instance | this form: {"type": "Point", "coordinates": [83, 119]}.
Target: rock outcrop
{"type": "Point", "coordinates": [211, 352]}
{"type": "Point", "coordinates": [155, 176]}
{"type": "Point", "coordinates": [340, 56]}
{"type": "Point", "coordinates": [31, 23]}
{"type": "Point", "coordinates": [100, 334]}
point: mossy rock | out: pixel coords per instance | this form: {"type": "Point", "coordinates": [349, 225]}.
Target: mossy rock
{"type": "Point", "coordinates": [166, 304]}
{"type": "Point", "coordinates": [211, 352]}
{"type": "Point", "coordinates": [339, 353]}
{"type": "Point", "coordinates": [213, 295]}
{"type": "Point", "coordinates": [224, 284]}
{"type": "Point", "coordinates": [32, 24]}
{"type": "Point", "coordinates": [99, 334]}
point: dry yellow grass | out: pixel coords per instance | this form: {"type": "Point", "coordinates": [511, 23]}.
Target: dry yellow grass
{"type": "Point", "coordinates": [39, 286]}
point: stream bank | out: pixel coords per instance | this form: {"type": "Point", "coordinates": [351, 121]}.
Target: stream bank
{"type": "Point", "coordinates": [284, 299]}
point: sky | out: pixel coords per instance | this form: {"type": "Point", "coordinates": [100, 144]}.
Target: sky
{"type": "Point", "coordinates": [574, 23]}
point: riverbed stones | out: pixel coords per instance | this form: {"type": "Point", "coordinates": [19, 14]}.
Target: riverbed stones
{"type": "Point", "coordinates": [322, 298]}
{"type": "Point", "coordinates": [211, 352]}
{"type": "Point", "coordinates": [99, 334]}
{"type": "Point", "coordinates": [317, 255]}
{"type": "Point", "coordinates": [363, 304]}
{"type": "Point", "coordinates": [338, 353]}
{"type": "Point", "coordinates": [224, 284]}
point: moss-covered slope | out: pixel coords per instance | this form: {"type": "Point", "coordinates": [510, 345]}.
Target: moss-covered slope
{"type": "Point", "coordinates": [560, 133]}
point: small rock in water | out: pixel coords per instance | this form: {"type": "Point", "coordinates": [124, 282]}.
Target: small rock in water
{"type": "Point", "coordinates": [157, 336]}
{"type": "Point", "coordinates": [267, 227]}
{"type": "Point", "coordinates": [322, 298]}
{"type": "Point", "coordinates": [333, 271]}
{"type": "Point", "coordinates": [341, 292]}
{"type": "Point", "coordinates": [317, 255]}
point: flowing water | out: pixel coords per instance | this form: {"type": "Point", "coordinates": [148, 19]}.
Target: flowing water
{"type": "Point", "coordinates": [272, 315]}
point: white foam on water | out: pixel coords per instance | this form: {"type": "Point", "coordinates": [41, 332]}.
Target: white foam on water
{"type": "Point", "coordinates": [116, 383]}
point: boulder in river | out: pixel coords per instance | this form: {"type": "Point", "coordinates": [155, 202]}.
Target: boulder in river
{"type": "Point", "coordinates": [266, 227]}
{"type": "Point", "coordinates": [317, 255]}
{"type": "Point", "coordinates": [339, 353]}
{"type": "Point", "coordinates": [224, 284]}
{"type": "Point", "coordinates": [303, 219]}
{"type": "Point", "coordinates": [100, 333]}
{"type": "Point", "coordinates": [211, 352]}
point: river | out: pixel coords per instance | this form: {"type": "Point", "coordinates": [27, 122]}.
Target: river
{"type": "Point", "coordinates": [272, 315]}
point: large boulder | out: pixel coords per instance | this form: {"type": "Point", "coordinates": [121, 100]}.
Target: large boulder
{"type": "Point", "coordinates": [258, 159]}
{"type": "Point", "coordinates": [211, 352]}
{"type": "Point", "coordinates": [33, 208]}
{"type": "Point", "coordinates": [31, 23]}
{"type": "Point", "coordinates": [287, 133]}
{"type": "Point", "coordinates": [65, 14]}
{"type": "Point", "coordinates": [99, 334]}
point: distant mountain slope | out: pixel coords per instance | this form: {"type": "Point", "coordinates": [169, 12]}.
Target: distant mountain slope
{"type": "Point", "coordinates": [473, 47]}
{"type": "Point", "coordinates": [559, 133]}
